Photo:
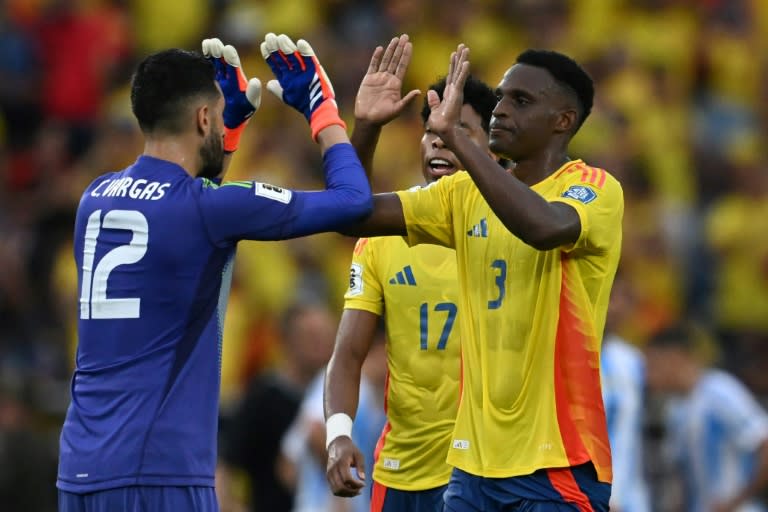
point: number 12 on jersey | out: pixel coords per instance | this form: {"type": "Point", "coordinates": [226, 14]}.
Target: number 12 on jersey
{"type": "Point", "coordinates": [94, 303]}
{"type": "Point", "coordinates": [448, 307]}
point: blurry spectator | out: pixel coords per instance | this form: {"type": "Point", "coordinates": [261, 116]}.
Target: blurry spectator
{"type": "Point", "coordinates": [19, 88]}
{"type": "Point", "coordinates": [79, 50]}
{"type": "Point", "coordinates": [717, 432]}
{"type": "Point", "coordinates": [250, 438]}
{"type": "Point", "coordinates": [623, 379]}
{"type": "Point", "coordinates": [170, 23]}
{"type": "Point", "coordinates": [737, 225]}
{"type": "Point", "coordinates": [27, 455]}
{"type": "Point", "coordinates": [303, 448]}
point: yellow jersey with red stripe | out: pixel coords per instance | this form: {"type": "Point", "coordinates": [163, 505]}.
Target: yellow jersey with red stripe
{"type": "Point", "coordinates": [531, 323]}
{"type": "Point", "coordinates": [416, 290]}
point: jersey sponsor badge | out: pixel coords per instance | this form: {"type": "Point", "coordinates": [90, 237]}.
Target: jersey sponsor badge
{"type": "Point", "coordinates": [272, 192]}
{"type": "Point", "coordinates": [581, 193]}
{"type": "Point", "coordinates": [355, 280]}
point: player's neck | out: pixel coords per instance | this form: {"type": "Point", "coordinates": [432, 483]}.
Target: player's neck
{"type": "Point", "coordinates": [537, 168]}
{"type": "Point", "coordinates": [177, 149]}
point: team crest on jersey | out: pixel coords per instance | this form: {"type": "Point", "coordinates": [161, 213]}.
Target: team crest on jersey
{"type": "Point", "coordinates": [580, 193]}
{"type": "Point", "coordinates": [355, 280]}
{"type": "Point", "coordinates": [272, 192]}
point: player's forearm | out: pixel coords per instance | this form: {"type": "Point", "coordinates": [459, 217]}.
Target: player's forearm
{"type": "Point", "coordinates": [364, 139]}
{"type": "Point", "coordinates": [342, 378]}
{"type": "Point", "coordinates": [330, 136]}
{"type": "Point", "coordinates": [342, 385]}
{"type": "Point", "coordinates": [347, 198]}
{"type": "Point", "coordinates": [387, 219]}
{"type": "Point", "coordinates": [523, 212]}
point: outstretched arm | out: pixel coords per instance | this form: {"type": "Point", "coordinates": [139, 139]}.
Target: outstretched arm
{"type": "Point", "coordinates": [523, 212]}
{"type": "Point", "coordinates": [386, 219]}
{"type": "Point", "coordinates": [259, 211]}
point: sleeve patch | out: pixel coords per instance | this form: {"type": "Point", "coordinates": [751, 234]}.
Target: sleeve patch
{"type": "Point", "coordinates": [580, 193]}
{"type": "Point", "coordinates": [355, 280]}
{"type": "Point", "coordinates": [272, 192]}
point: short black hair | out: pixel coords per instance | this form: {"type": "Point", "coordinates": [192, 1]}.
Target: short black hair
{"type": "Point", "coordinates": [163, 84]}
{"type": "Point", "coordinates": [566, 72]}
{"type": "Point", "coordinates": [477, 94]}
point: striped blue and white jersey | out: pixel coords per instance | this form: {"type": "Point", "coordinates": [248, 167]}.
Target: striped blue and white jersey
{"type": "Point", "coordinates": [714, 433]}
{"type": "Point", "coordinates": [623, 380]}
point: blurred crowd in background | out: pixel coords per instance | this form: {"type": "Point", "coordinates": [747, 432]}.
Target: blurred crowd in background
{"type": "Point", "coordinates": [680, 118]}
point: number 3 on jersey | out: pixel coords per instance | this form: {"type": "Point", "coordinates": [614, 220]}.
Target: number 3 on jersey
{"type": "Point", "coordinates": [501, 278]}
{"type": "Point", "coordinates": [94, 303]}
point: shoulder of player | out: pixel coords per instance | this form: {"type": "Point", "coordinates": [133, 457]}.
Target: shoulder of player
{"type": "Point", "coordinates": [579, 172]}
{"type": "Point", "coordinates": [101, 179]}
{"type": "Point", "coordinates": [256, 188]}
{"type": "Point", "coordinates": [378, 243]}
{"type": "Point", "coordinates": [456, 179]}
{"type": "Point", "coordinates": [460, 178]}
{"type": "Point", "coordinates": [723, 385]}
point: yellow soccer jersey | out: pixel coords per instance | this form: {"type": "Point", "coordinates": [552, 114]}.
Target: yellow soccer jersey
{"type": "Point", "coordinates": [416, 291]}
{"type": "Point", "coordinates": [531, 323]}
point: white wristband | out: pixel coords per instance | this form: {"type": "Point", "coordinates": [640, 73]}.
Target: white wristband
{"type": "Point", "coordinates": [337, 425]}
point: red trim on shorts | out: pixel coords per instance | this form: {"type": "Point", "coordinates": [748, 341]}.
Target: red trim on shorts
{"type": "Point", "coordinates": [378, 494]}
{"type": "Point", "coordinates": [563, 481]}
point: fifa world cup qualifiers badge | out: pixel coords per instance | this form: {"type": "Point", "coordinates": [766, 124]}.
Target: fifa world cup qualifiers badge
{"type": "Point", "coordinates": [355, 280]}
{"type": "Point", "coordinates": [581, 193]}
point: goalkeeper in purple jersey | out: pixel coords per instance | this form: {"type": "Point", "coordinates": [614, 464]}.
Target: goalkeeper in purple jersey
{"type": "Point", "coordinates": [154, 246]}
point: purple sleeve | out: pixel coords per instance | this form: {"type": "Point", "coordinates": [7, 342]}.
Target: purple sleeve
{"type": "Point", "coordinates": [247, 210]}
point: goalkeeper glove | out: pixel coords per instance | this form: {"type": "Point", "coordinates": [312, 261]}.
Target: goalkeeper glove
{"type": "Point", "coordinates": [242, 97]}
{"type": "Point", "coordinates": [301, 81]}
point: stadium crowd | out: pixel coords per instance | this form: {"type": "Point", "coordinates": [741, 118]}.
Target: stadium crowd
{"type": "Point", "coordinates": [680, 118]}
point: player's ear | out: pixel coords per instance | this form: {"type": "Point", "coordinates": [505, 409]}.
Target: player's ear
{"type": "Point", "coordinates": [203, 119]}
{"type": "Point", "coordinates": [565, 120]}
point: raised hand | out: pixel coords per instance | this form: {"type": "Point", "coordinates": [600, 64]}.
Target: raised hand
{"type": "Point", "coordinates": [379, 98]}
{"type": "Point", "coordinates": [242, 97]}
{"type": "Point", "coordinates": [445, 115]}
{"type": "Point", "coordinates": [301, 81]}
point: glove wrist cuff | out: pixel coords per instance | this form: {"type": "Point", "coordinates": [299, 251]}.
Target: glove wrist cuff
{"type": "Point", "coordinates": [327, 114]}
{"type": "Point", "coordinates": [232, 138]}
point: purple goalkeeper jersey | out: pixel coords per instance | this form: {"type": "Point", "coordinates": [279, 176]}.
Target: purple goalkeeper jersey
{"type": "Point", "coordinates": [154, 250]}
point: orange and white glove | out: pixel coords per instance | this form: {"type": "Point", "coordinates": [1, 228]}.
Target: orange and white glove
{"type": "Point", "coordinates": [301, 81]}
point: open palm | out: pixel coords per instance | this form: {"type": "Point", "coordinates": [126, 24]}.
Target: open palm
{"type": "Point", "coordinates": [445, 114]}
{"type": "Point", "coordinates": [379, 99]}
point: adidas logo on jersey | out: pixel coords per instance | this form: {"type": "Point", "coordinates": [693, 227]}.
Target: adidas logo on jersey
{"type": "Point", "coordinates": [479, 230]}
{"type": "Point", "coordinates": [405, 276]}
